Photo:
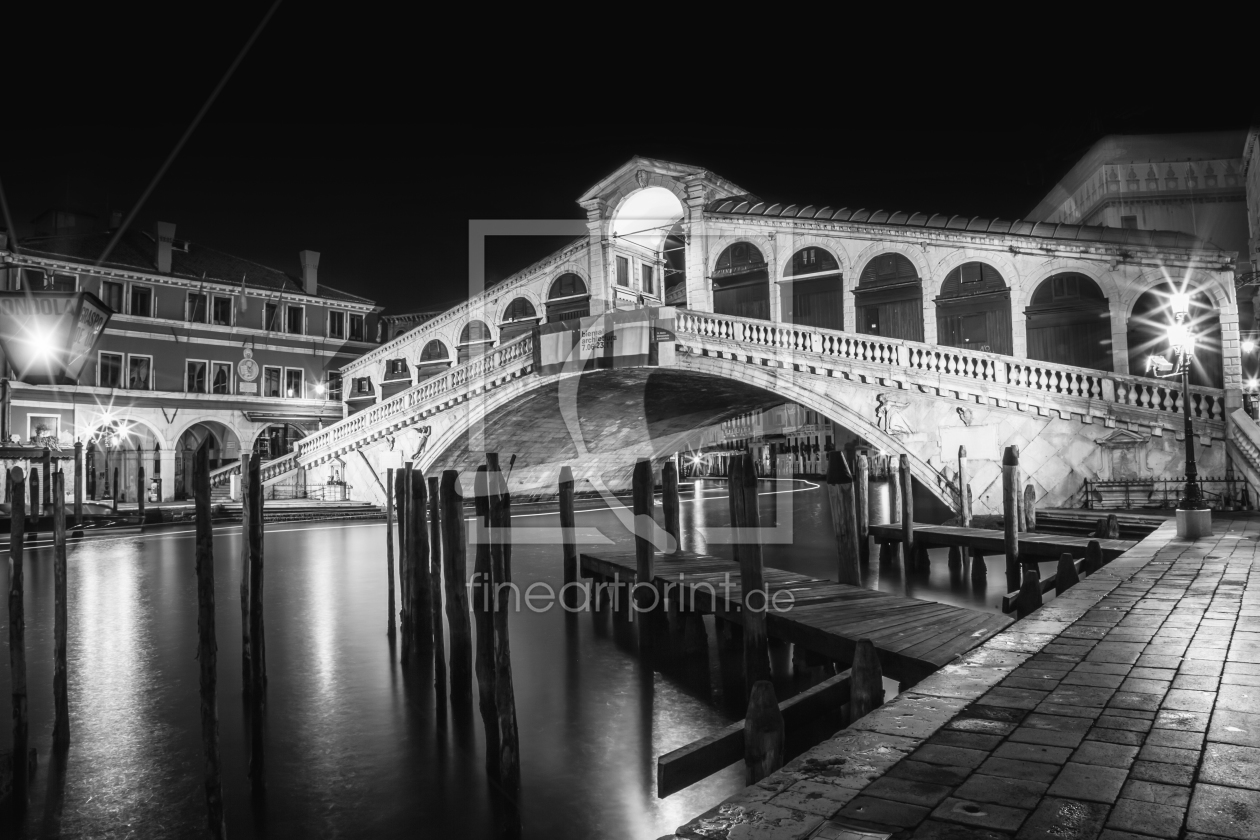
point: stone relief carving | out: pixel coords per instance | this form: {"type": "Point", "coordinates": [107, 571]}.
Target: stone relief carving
{"type": "Point", "coordinates": [964, 414]}
{"type": "Point", "coordinates": [888, 415]}
{"type": "Point", "coordinates": [424, 432]}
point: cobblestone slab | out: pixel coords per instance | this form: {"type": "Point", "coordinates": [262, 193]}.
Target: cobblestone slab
{"type": "Point", "coordinates": [1128, 707]}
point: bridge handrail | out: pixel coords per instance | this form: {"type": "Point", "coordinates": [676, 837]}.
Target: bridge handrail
{"type": "Point", "coordinates": [1030, 374]}
{"type": "Point", "coordinates": [518, 349]}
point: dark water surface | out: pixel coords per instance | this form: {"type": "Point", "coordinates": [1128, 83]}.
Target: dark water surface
{"type": "Point", "coordinates": [356, 746]}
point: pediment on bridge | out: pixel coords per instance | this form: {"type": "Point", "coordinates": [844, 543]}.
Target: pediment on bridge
{"type": "Point", "coordinates": [1122, 437]}
{"type": "Point", "coordinates": [640, 172]}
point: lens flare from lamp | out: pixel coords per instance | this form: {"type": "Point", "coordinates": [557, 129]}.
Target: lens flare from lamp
{"type": "Point", "coordinates": [1178, 335]}
{"type": "Point", "coordinates": [319, 388]}
{"type": "Point", "coordinates": [1248, 346]}
{"type": "Point", "coordinates": [1180, 302]}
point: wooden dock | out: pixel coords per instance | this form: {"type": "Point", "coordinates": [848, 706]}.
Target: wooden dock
{"type": "Point", "coordinates": [913, 638]}
{"type": "Point", "coordinates": [990, 542]}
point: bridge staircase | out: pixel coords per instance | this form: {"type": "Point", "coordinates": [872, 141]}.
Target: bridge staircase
{"type": "Point", "coordinates": [272, 472]}
{"type": "Point", "coordinates": [1244, 449]}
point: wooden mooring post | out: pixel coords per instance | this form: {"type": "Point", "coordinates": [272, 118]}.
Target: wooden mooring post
{"type": "Point", "coordinates": [78, 483]}
{"type": "Point", "coordinates": [866, 692]}
{"type": "Point", "coordinates": [390, 629]}
{"type": "Point", "coordinates": [909, 550]}
{"type": "Point", "coordinates": [61, 700]}
{"type": "Point", "coordinates": [755, 597]}
{"type": "Point", "coordinates": [257, 633]}
{"type": "Point", "coordinates": [670, 503]}
{"type": "Point", "coordinates": [421, 624]}
{"type": "Point", "coordinates": [34, 510]}
{"type": "Point", "coordinates": [456, 579]}
{"type": "Point", "coordinates": [17, 640]}
{"type": "Point", "coordinates": [400, 514]}
{"type": "Point", "coordinates": [1065, 576]}
{"type": "Point", "coordinates": [763, 732]}
{"type": "Point", "coordinates": [1093, 558]}
{"type": "Point", "coordinates": [46, 465]}
{"type": "Point", "coordinates": [505, 696]}
{"type": "Point", "coordinates": [207, 650]}
{"type": "Point", "coordinates": [247, 675]}
{"type": "Point", "coordinates": [862, 497]}
{"type": "Point", "coordinates": [1030, 509]}
{"type": "Point", "coordinates": [964, 488]}
{"type": "Point", "coordinates": [435, 584]}
{"type": "Point", "coordinates": [568, 538]}
{"type": "Point", "coordinates": [1029, 592]}
{"type": "Point", "coordinates": [141, 496]}
{"type": "Point", "coordinates": [645, 592]}
{"type": "Point", "coordinates": [1010, 516]}
{"type": "Point", "coordinates": [117, 491]}
{"type": "Point", "coordinates": [844, 521]}
{"type": "Point", "coordinates": [483, 616]}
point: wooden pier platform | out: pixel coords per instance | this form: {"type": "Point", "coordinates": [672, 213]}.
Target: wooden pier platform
{"type": "Point", "coordinates": [990, 542]}
{"type": "Point", "coordinates": [913, 638]}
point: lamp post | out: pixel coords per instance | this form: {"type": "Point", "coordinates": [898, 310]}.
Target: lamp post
{"type": "Point", "coordinates": [1194, 517]}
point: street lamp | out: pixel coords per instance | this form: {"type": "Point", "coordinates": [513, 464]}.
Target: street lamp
{"type": "Point", "coordinates": [1194, 517]}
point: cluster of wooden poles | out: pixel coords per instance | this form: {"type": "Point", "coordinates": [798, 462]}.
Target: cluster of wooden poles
{"type": "Point", "coordinates": [431, 553]}
{"type": "Point", "coordinates": [23, 759]}
{"type": "Point", "coordinates": [674, 622]}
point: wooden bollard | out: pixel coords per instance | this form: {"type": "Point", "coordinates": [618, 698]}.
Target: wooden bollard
{"type": "Point", "coordinates": [568, 545]}
{"type": "Point", "coordinates": [118, 491]}
{"type": "Point", "coordinates": [643, 557]}
{"type": "Point", "coordinates": [1010, 515]}
{"type": "Point", "coordinates": [140, 494]}
{"type": "Point", "coordinates": [505, 697]}
{"type": "Point", "coordinates": [17, 639]}
{"type": "Point", "coordinates": [763, 733]}
{"type": "Point", "coordinates": [1113, 527]}
{"type": "Point", "coordinates": [247, 674]}
{"type": "Point", "coordinates": [964, 489]}
{"type": "Point", "coordinates": [456, 574]}
{"type": "Point", "coordinates": [400, 512]}
{"type": "Point", "coordinates": [1093, 558]}
{"type": "Point", "coordinates": [46, 464]}
{"type": "Point", "coordinates": [1019, 496]}
{"type": "Point", "coordinates": [405, 535]}
{"type": "Point", "coordinates": [257, 633]}
{"type": "Point", "coordinates": [866, 687]}
{"type": "Point", "coordinates": [418, 569]}
{"type": "Point", "coordinates": [1029, 598]}
{"type": "Point", "coordinates": [862, 497]}
{"type": "Point", "coordinates": [979, 571]}
{"type": "Point", "coordinates": [78, 483]}
{"type": "Point", "coordinates": [908, 547]}
{"type": "Point", "coordinates": [669, 502]}
{"type": "Point", "coordinates": [207, 650]}
{"type": "Point", "coordinates": [844, 521]}
{"type": "Point", "coordinates": [1065, 576]}
{"type": "Point", "coordinates": [435, 585]}
{"type": "Point", "coordinates": [755, 596]}
{"type": "Point", "coordinates": [34, 509]}
{"type": "Point", "coordinates": [61, 701]}
{"type": "Point", "coordinates": [955, 558]}
{"type": "Point", "coordinates": [1030, 509]}
{"type": "Point", "coordinates": [483, 615]}
{"type": "Point", "coordinates": [389, 548]}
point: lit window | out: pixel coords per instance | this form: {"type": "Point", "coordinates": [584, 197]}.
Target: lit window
{"type": "Point", "coordinates": [139, 369]}
{"type": "Point", "coordinates": [293, 380]}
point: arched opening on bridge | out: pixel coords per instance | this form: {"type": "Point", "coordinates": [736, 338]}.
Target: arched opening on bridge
{"type": "Point", "coordinates": [397, 377]}
{"type": "Point", "coordinates": [474, 339]}
{"type": "Point", "coordinates": [568, 299]}
{"type": "Point", "coordinates": [741, 282]}
{"type": "Point", "coordinates": [519, 317]}
{"type": "Point", "coordinates": [813, 290]}
{"type": "Point", "coordinates": [114, 452]}
{"type": "Point", "coordinates": [1148, 333]}
{"type": "Point", "coordinates": [646, 231]}
{"type": "Point", "coordinates": [225, 448]}
{"type": "Point", "coordinates": [889, 299]}
{"type": "Point", "coordinates": [1069, 322]}
{"type": "Point", "coordinates": [973, 310]}
{"type": "Point", "coordinates": [433, 360]}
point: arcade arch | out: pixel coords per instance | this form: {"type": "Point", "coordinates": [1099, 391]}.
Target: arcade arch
{"type": "Point", "coordinates": [1069, 322]}
{"type": "Point", "coordinates": [225, 447]}
{"type": "Point", "coordinates": [519, 317]}
{"type": "Point", "coordinates": [813, 289]}
{"type": "Point", "coordinates": [568, 299]}
{"type": "Point", "coordinates": [973, 310]}
{"type": "Point", "coordinates": [889, 298]}
{"type": "Point", "coordinates": [741, 282]}
{"type": "Point", "coordinates": [434, 359]}
{"type": "Point", "coordinates": [474, 339]}
{"type": "Point", "coordinates": [1148, 331]}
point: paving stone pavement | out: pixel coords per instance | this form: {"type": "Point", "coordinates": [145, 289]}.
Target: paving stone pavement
{"type": "Point", "coordinates": [1128, 707]}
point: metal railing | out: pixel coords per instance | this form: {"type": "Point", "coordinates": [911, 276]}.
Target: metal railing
{"type": "Point", "coordinates": [1163, 494]}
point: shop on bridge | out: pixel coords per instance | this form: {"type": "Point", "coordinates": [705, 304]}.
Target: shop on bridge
{"type": "Point", "coordinates": [889, 299]}
{"type": "Point", "coordinates": [741, 283]}
{"type": "Point", "coordinates": [973, 310]}
{"type": "Point", "coordinates": [1069, 323]}
{"type": "Point", "coordinates": [813, 290]}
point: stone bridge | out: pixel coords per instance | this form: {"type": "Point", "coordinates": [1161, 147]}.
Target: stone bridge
{"type": "Point", "coordinates": [917, 332]}
{"type": "Point", "coordinates": [1070, 424]}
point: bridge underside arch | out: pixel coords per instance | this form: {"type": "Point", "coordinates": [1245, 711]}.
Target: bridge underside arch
{"type": "Point", "coordinates": [601, 422]}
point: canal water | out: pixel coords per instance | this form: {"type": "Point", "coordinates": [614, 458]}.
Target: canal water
{"type": "Point", "coordinates": [356, 745]}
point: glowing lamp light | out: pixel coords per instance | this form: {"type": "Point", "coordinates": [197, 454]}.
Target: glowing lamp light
{"type": "Point", "coordinates": [1248, 345]}
{"type": "Point", "coordinates": [1253, 383]}
{"type": "Point", "coordinates": [320, 389]}
{"type": "Point", "coordinates": [1179, 335]}
{"type": "Point", "coordinates": [1180, 302]}
{"type": "Point", "coordinates": [290, 392]}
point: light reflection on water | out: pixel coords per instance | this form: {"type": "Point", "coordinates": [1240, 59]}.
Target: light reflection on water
{"type": "Point", "coordinates": [355, 743]}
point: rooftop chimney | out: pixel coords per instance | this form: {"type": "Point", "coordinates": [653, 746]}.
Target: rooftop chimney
{"type": "Point", "coordinates": [165, 238]}
{"type": "Point", "coordinates": [310, 269]}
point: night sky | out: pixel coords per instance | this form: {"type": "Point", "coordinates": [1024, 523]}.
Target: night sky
{"type": "Point", "coordinates": [375, 139]}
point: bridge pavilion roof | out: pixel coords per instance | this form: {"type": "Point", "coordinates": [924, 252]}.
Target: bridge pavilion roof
{"type": "Point", "coordinates": [750, 205]}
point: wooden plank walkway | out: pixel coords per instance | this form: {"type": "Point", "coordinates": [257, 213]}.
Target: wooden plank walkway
{"type": "Point", "coordinates": [989, 542]}
{"type": "Point", "coordinates": [913, 638]}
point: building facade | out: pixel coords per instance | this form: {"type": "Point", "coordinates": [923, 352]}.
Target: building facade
{"type": "Point", "coordinates": [200, 345]}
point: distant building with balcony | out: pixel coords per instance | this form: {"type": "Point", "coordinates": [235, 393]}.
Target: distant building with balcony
{"type": "Point", "coordinates": [202, 344]}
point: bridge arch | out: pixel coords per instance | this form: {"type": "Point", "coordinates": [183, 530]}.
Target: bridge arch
{"type": "Point", "coordinates": [150, 429]}
{"type": "Point", "coordinates": [1148, 315]}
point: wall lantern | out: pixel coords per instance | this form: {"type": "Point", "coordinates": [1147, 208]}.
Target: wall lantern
{"type": "Point", "coordinates": [48, 337]}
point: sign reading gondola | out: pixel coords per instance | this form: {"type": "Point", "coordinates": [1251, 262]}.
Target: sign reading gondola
{"type": "Point", "coordinates": [48, 337]}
